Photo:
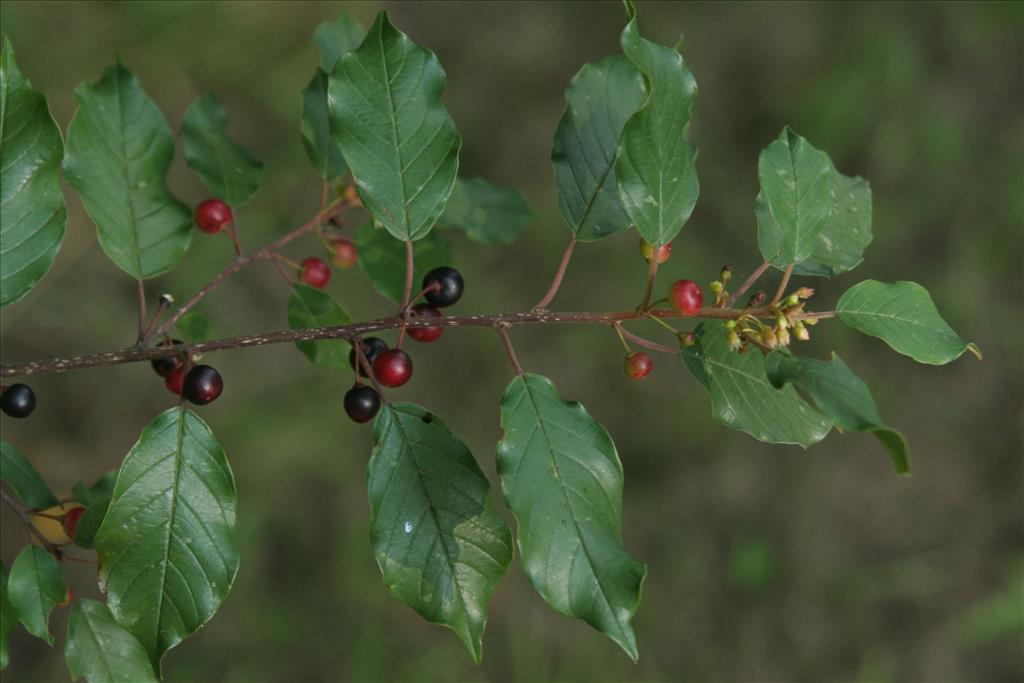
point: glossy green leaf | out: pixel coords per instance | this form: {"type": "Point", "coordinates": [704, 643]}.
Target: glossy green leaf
{"type": "Point", "coordinates": [166, 548]}
{"type": "Point", "coordinates": [840, 245]}
{"type": "Point", "coordinates": [32, 210]}
{"type": "Point", "coordinates": [101, 489]}
{"type": "Point", "coordinates": [656, 166]}
{"type": "Point", "coordinates": [101, 650]}
{"type": "Point", "coordinates": [840, 395]}
{"type": "Point", "coordinates": [118, 151]}
{"type": "Point", "coordinates": [396, 136]}
{"type": "Point", "coordinates": [321, 148]}
{"type": "Point", "coordinates": [488, 213]}
{"type": "Point", "coordinates": [742, 397]}
{"type": "Point", "coordinates": [89, 524]}
{"type": "Point", "coordinates": [8, 619]}
{"type": "Point", "coordinates": [35, 585]}
{"type": "Point", "coordinates": [336, 38]}
{"type": "Point", "coordinates": [902, 315]}
{"type": "Point", "coordinates": [795, 200]}
{"type": "Point", "coordinates": [23, 478]}
{"type": "Point", "coordinates": [562, 479]}
{"type": "Point", "coordinates": [440, 547]}
{"type": "Point", "coordinates": [194, 327]}
{"type": "Point", "coordinates": [226, 168]}
{"type": "Point", "coordinates": [600, 99]}
{"type": "Point", "coordinates": [382, 258]}
{"type": "Point", "coordinates": [309, 307]}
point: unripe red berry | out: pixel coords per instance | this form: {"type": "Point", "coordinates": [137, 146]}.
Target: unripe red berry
{"type": "Point", "coordinates": [203, 384]}
{"type": "Point", "coordinates": [686, 297]}
{"type": "Point", "coordinates": [650, 252]}
{"type": "Point", "coordinates": [69, 597]}
{"type": "Point", "coordinates": [315, 272]}
{"type": "Point", "coordinates": [344, 255]}
{"type": "Point", "coordinates": [638, 365]}
{"type": "Point", "coordinates": [425, 334]}
{"type": "Point", "coordinates": [175, 381]}
{"type": "Point", "coordinates": [212, 215]}
{"type": "Point", "coordinates": [392, 368]}
{"type": "Point", "coordinates": [361, 403]}
{"type": "Point", "coordinates": [70, 521]}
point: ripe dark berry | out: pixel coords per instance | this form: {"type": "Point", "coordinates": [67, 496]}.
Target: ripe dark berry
{"type": "Point", "coordinates": [362, 403]}
{"type": "Point", "coordinates": [175, 381]}
{"type": "Point", "coordinates": [70, 521]}
{"type": "Point", "coordinates": [444, 286]}
{"type": "Point", "coordinates": [212, 215]}
{"type": "Point", "coordinates": [425, 334]}
{"type": "Point", "coordinates": [202, 385]}
{"type": "Point", "coordinates": [344, 255]}
{"type": "Point", "coordinates": [686, 297]}
{"type": "Point", "coordinates": [392, 368]}
{"type": "Point", "coordinates": [315, 272]}
{"type": "Point", "coordinates": [638, 365]}
{"type": "Point", "coordinates": [168, 364]}
{"type": "Point", "coordinates": [372, 347]}
{"type": "Point", "coordinates": [650, 252]}
{"type": "Point", "coordinates": [18, 400]}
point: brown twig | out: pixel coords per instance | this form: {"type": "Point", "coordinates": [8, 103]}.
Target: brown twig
{"type": "Point", "coordinates": [646, 343]}
{"type": "Point", "coordinates": [502, 330]}
{"type": "Point", "coordinates": [559, 274]}
{"type": "Point", "coordinates": [142, 310]}
{"type": "Point", "coordinates": [137, 354]}
{"type": "Point", "coordinates": [749, 282]}
{"type": "Point", "coordinates": [783, 283]}
{"type": "Point", "coordinates": [652, 273]}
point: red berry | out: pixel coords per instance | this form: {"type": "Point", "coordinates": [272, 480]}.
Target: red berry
{"type": "Point", "coordinates": [175, 381]}
{"type": "Point", "coordinates": [392, 368]}
{"type": "Point", "coordinates": [650, 252]}
{"type": "Point", "coordinates": [203, 384]}
{"type": "Point", "coordinates": [69, 597]}
{"type": "Point", "coordinates": [425, 334]}
{"type": "Point", "coordinates": [638, 365]}
{"type": "Point", "coordinates": [344, 255]}
{"type": "Point", "coordinates": [70, 522]}
{"type": "Point", "coordinates": [315, 272]}
{"type": "Point", "coordinates": [212, 215]}
{"type": "Point", "coordinates": [686, 297]}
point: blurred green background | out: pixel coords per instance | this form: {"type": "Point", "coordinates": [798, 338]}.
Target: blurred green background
{"type": "Point", "coordinates": [766, 563]}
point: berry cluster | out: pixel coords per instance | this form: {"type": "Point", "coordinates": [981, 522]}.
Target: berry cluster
{"type": "Point", "coordinates": [392, 367]}
{"type": "Point", "coordinates": [199, 384]}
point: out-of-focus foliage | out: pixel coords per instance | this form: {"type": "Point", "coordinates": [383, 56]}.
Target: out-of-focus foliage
{"type": "Point", "coordinates": [765, 563]}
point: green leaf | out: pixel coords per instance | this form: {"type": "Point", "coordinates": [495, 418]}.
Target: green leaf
{"type": "Point", "coordinates": [166, 549]}
{"type": "Point", "coordinates": [440, 547]}
{"type": "Point", "coordinates": [101, 650]}
{"type": "Point", "coordinates": [322, 150]}
{"type": "Point", "coordinates": [600, 99]}
{"type": "Point", "coordinates": [101, 490]}
{"type": "Point", "coordinates": [227, 169]}
{"type": "Point", "coordinates": [34, 214]}
{"type": "Point", "coordinates": [902, 315]}
{"type": "Point", "coordinates": [8, 619]}
{"type": "Point", "coordinates": [742, 397]}
{"type": "Point", "coordinates": [89, 524]}
{"type": "Point", "coordinates": [23, 478]}
{"type": "Point", "coordinates": [118, 151]}
{"type": "Point", "coordinates": [488, 213]}
{"type": "Point", "coordinates": [309, 307]}
{"type": "Point", "coordinates": [562, 479]}
{"type": "Point", "coordinates": [194, 327]}
{"type": "Point", "coordinates": [795, 200]}
{"type": "Point", "coordinates": [656, 166]}
{"type": "Point", "coordinates": [35, 585]}
{"type": "Point", "coordinates": [840, 245]}
{"type": "Point", "coordinates": [840, 395]}
{"type": "Point", "coordinates": [335, 39]}
{"type": "Point", "coordinates": [397, 138]}
{"type": "Point", "coordinates": [382, 258]}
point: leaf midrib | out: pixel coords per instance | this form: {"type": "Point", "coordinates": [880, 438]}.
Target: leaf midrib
{"type": "Point", "coordinates": [394, 132]}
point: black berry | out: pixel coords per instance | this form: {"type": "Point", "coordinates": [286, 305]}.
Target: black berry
{"type": "Point", "coordinates": [202, 385]}
{"type": "Point", "coordinates": [168, 364]}
{"type": "Point", "coordinates": [18, 400]}
{"type": "Point", "coordinates": [372, 347]}
{"type": "Point", "coordinates": [444, 286]}
{"type": "Point", "coordinates": [362, 403]}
